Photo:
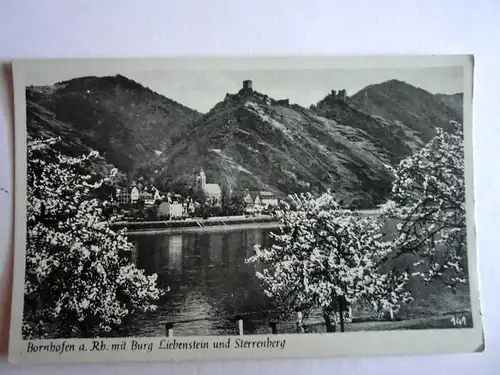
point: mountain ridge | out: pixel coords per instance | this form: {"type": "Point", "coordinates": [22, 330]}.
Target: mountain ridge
{"type": "Point", "coordinates": [255, 142]}
{"type": "Point", "coordinates": [111, 113]}
{"type": "Point", "coordinates": [248, 140]}
{"type": "Point", "coordinates": [414, 107]}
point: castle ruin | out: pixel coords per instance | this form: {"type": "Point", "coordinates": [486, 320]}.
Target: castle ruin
{"type": "Point", "coordinates": [341, 95]}
{"type": "Point", "coordinates": [247, 85]}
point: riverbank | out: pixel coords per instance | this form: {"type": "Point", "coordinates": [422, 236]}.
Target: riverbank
{"type": "Point", "coordinates": [199, 223]}
{"type": "Point", "coordinates": [196, 225]}
{"type": "Point", "coordinates": [205, 229]}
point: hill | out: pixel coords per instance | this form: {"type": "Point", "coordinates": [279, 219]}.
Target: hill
{"type": "Point", "coordinates": [128, 123]}
{"type": "Point", "coordinates": [408, 106]}
{"type": "Point", "coordinates": [455, 101]}
{"type": "Point", "coordinates": [251, 141]}
{"type": "Point", "coordinates": [399, 118]}
{"type": "Point", "coordinates": [393, 137]}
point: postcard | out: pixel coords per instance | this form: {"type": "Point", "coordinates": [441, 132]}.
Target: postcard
{"type": "Point", "coordinates": [224, 208]}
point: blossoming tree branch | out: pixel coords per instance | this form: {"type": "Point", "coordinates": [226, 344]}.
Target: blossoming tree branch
{"type": "Point", "coordinates": [78, 278]}
{"type": "Point", "coordinates": [428, 200]}
{"type": "Point", "coordinates": [326, 251]}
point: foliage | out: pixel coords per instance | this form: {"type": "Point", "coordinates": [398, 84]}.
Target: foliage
{"type": "Point", "coordinates": [236, 206]}
{"type": "Point", "coordinates": [428, 200]}
{"type": "Point", "coordinates": [205, 211]}
{"type": "Point", "coordinates": [226, 195]}
{"type": "Point", "coordinates": [78, 278]}
{"type": "Point", "coordinates": [151, 213]}
{"type": "Point", "coordinates": [326, 252]}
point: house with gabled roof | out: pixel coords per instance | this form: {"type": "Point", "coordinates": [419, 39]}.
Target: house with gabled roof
{"type": "Point", "coordinates": [268, 198]}
{"type": "Point", "coordinates": [123, 196]}
{"type": "Point", "coordinates": [260, 199]}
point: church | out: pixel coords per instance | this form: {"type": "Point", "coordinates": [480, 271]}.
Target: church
{"type": "Point", "coordinates": [212, 192]}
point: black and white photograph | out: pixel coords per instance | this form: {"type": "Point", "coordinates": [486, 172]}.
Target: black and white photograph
{"type": "Point", "coordinates": [238, 202]}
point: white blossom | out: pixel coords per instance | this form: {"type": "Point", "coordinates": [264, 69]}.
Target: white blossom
{"type": "Point", "coordinates": [75, 268]}
{"type": "Point", "coordinates": [428, 201]}
{"type": "Point", "coordinates": [323, 252]}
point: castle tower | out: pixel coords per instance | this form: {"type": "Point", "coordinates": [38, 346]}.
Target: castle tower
{"type": "Point", "coordinates": [247, 85]}
{"type": "Point", "coordinates": [342, 95]}
{"type": "Point", "coordinates": [201, 180]}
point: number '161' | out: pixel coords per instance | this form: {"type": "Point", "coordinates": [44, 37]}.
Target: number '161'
{"type": "Point", "coordinates": [458, 320]}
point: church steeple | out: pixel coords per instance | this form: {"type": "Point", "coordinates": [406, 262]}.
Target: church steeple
{"type": "Point", "coordinates": [201, 180]}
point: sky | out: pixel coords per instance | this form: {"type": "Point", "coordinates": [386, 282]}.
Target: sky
{"type": "Point", "coordinates": [201, 90]}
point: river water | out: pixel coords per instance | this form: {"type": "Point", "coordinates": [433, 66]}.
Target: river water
{"type": "Point", "coordinates": [210, 283]}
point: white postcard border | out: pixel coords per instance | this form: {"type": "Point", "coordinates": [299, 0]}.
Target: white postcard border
{"type": "Point", "coordinates": [367, 343]}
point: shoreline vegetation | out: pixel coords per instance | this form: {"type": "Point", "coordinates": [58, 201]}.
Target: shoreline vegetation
{"type": "Point", "coordinates": [201, 225]}
{"type": "Point", "coordinates": [196, 224]}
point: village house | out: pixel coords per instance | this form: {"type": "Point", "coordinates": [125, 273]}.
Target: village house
{"type": "Point", "coordinates": [188, 207]}
{"type": "Point", "coordinates": [151, 196]}
{"type": "Point", "coordinates": [145, 196]}
{"type": "Point", "coordinates": [248, 200]}
{"type": "Point", "coordinates": [125, 196]}
{"type": "Point", "coordinates": [134, 194]}
{"type": "Point", "coordinates": [166, 196]}
{"type": "Point", "coordinates": [122, 196]}
{"type": "Point", "coordinates": [256, 201]}
{"type": "Point", "coordinates": [156, 194]}
{"type": "Point", "coordinates": [268, 198]}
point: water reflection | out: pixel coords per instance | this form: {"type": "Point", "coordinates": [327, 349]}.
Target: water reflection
{"type": "Point", "coordinates": [175, 253]}
{"type": "Point", "coordinates": [133, 253]}
{"type": "Point", "coordinates": [209, 281]}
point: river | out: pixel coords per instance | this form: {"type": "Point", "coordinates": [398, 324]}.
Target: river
{"type": "Point", "coordinates": [210, 283]}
